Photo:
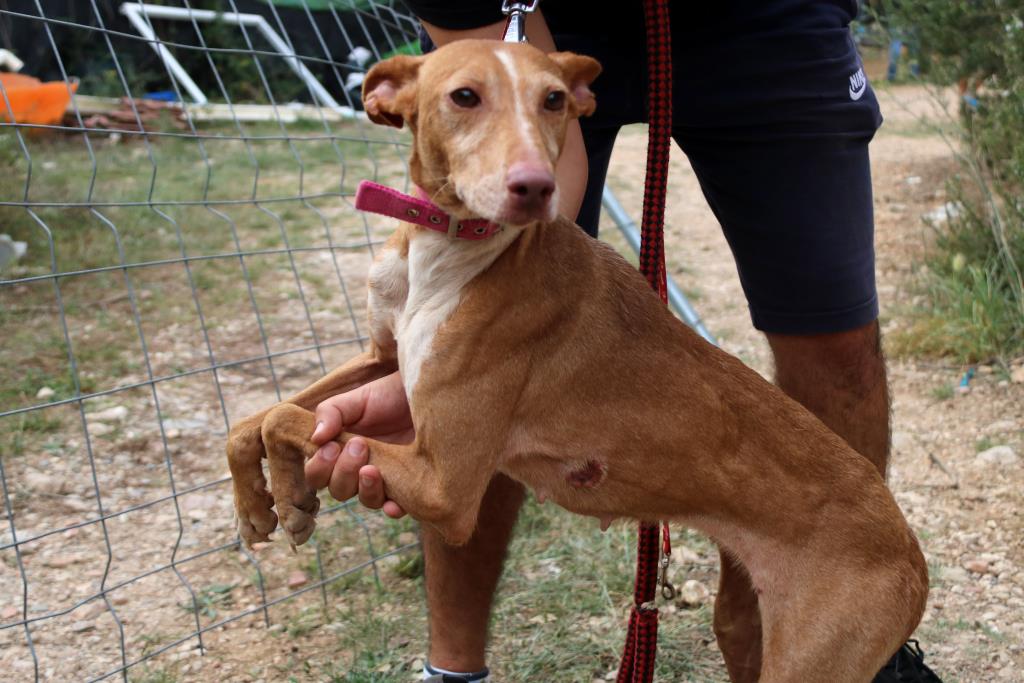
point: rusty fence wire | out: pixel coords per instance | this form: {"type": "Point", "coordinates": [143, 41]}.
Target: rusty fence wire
{"type": "Point", "coordinates": [178, 249]}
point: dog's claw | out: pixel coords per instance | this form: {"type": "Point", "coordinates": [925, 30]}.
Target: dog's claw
{"type": "Point", "coordinates": [299, 521]}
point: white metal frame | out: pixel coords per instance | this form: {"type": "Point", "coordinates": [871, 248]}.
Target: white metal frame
{"type": "Point", "coordinates": [139, 14]}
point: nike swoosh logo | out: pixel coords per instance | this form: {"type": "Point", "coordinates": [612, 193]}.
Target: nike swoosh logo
{"type": "Point", "coordinates": [857, 94]}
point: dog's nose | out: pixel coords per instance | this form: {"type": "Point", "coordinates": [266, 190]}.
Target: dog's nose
{"type": "Point", "coordinates": [530, 183]}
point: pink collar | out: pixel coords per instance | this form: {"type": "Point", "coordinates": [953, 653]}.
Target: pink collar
{"type": "Point", "coordinates": [388, 202]}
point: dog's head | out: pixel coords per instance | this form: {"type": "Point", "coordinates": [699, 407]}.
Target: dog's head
{"type": "Point", "coordinates": [488, 121]}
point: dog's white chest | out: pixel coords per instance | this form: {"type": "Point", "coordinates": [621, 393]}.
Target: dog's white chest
{"type": "Point", "coordinates": [437, 272]}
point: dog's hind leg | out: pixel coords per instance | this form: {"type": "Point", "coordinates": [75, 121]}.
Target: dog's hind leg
{"type": "Point", "coordinates": [839, 623]}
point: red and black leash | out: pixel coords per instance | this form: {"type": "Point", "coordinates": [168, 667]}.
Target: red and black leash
{"type": "Point", "coordinates": [638, 656]}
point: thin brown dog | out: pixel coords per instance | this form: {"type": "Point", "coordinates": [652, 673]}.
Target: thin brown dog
{"type": "Point", "coordinates": [540, 353]}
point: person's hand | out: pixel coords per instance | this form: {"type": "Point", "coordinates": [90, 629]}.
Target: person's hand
{"type": "Point", "coordinates": [379, 410]}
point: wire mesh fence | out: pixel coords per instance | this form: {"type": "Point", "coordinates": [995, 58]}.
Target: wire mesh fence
{"type": "Point", "coordinates": [178, 189]}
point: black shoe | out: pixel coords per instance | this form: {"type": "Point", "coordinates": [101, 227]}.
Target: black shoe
{"type": "Point", "coordinates": [907, 666]}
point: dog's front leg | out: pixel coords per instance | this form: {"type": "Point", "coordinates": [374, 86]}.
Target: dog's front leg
{"type": "Point", "coordinates": [245, 447]}
{"type": "Point", "coordinates": [440, 491]}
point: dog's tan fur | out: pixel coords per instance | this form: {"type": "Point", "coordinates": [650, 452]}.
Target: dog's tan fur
{"type": "Point", "coordinates": [556, 365]}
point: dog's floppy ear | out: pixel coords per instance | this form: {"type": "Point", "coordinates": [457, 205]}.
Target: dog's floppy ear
{"type": "Point", "coordinates": [389, 90]}
{"type": "Point", "coordinates": [579, 72]}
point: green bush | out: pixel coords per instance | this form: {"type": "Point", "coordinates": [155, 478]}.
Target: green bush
{"type": "Point", "coordinates": [974, 279]}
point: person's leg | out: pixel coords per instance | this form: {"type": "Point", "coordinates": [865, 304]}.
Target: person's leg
{"type": "Point", "coordinates": [840, 377]}
{"type": "Point", "coordinates": [737, 622]}
{"type": "Point", "coordinates": [598, 141]}
{"type": "Point", "coordinates": [895, 51]}
{"type": "Point", "coordinates": [460, 581]}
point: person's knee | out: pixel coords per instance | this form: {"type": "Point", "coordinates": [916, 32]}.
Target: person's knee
{"type": "Point", "coordinates": [850, 361]}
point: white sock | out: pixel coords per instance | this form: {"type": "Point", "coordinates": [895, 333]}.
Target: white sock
{"type": "Point", "coordinates": [481, 676]}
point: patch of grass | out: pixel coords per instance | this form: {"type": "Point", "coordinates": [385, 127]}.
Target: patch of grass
{"type": "Point", "coordinates": [943, 392]}
{"type": "Point", "coordinates": [410, 567]}
{"type": "Point", "coordinates": [983, 444]}
{"type": "Point", "coordinates": [974, 284]}
{"type": "Point", "coordinates": [962, 624]}
{"type": "Point", "coordinates": [150, 641]}
{"type": "Point", "coordinates": [306, 621]}
{"type": "Point", "coordinates": [148, 675]}
{"type": "Point", "coordinates": [179, 174]}
{"type": "Point", "coordinates": [565, 598]}
{"type": "Point", "coordinates": [970, 318]}
{"type": "Point", "coordinates": [208, 600]}
{"type": "Point", "coordinates": [367, 669]}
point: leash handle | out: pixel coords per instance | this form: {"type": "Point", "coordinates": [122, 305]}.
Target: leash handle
{"type": "Point", "coordinates": [515, 25]}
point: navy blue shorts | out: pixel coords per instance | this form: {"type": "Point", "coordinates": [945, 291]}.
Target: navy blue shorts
{"type": "Point", "coordinates": [771, 107]}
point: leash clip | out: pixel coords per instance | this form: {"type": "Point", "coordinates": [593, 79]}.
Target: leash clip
{"type": "Point", "coordinates": [516, 11]}
{"type": "Point", "coordinates": [668, 591]}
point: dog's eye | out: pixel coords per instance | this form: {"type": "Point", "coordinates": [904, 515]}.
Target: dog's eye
{"type": "Point", "coordinates": [466, 98]}
{"type": "Point", "coordinates": [555, 100]}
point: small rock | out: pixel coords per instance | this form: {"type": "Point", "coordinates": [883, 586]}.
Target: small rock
{"type": "Point", "coordinates": [276, 628]}
{"type": "Point", "coordinates": [9, 612]}
{"type": "Point", "coordinates": [61, 561]}
{"type": "Point", "coordinates": [682, 556]}
{"type": "Point", "coordinates": [100, 429]}
{"type": "Point", "coordinates": [94, 610]}
{"type": "Point", "coordinates": [77, 504]}
{"type": "Point", "coordinates": [297, 579]}
{"type": "Point", "coordinates": [82, 626]}
{"type": "Point", "coordinates": [693, 593]}
{"type": "Point", "coordinates": [913, 180]}
{"type": "Point", "coordinates": [954, 575]}
{"type": "Point", "coordinates": [46, 483]}
{"type": "Point", "coordinates": [1001, 426]}
{"type": "Point", "coordinates": [997, 455]}
{"type": "Point", "coordinates": [184, 424]}
{"type": "Point", "coordinates": [1017, 374]}
{"type": "Point", "coordinates": [976, 566]}
{"type": "Point", "coordinates": [901, 441]}
{"type": "Point", "coordinates": [115, 414]}
{"type": "Point", "coordinates": [203, 502]}
{"type": "Point", "coordinates": [45, 393]}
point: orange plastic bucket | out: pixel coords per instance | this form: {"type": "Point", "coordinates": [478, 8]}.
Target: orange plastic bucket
{"type": "Point", "coordinates": [32, 101]}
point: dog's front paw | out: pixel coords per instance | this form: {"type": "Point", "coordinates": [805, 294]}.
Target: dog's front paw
{"type": "Point", "coordinates": [299, 520]}
{"type": "Point", "coordinates": [256, 519]}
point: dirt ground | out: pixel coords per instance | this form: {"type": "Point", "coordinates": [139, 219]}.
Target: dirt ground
{"type": "Point", "coordinates": [964, 499]}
